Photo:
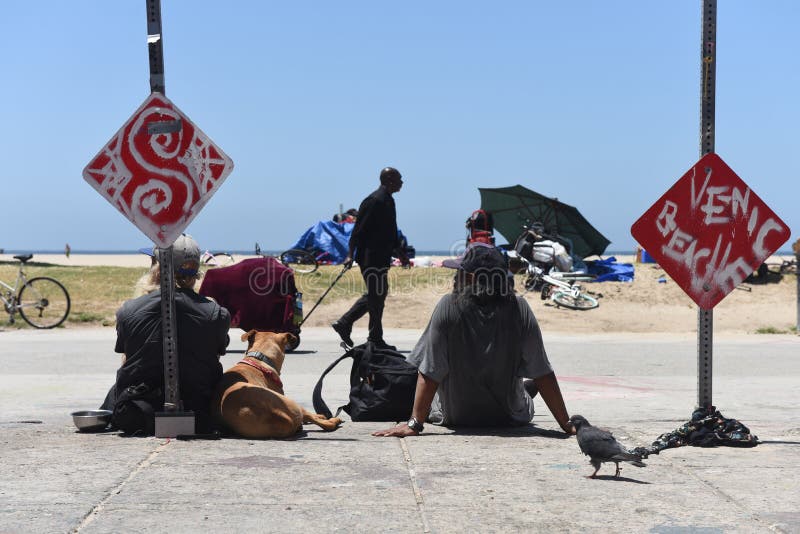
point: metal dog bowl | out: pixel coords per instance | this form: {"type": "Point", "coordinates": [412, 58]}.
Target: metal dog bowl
{"type": "Point", "coordinates": [91, 420]}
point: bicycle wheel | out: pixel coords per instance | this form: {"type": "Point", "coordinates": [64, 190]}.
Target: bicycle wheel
{"type": "Point", "coordinates": [300, 261]}
{"type": "Point", "coordinates": [533, 283]}
{"type": "Point", "coordinates": [573, 277]}
{"type": "Point", "coordinates": [219, 259]}
{"type": "Point", "coordinates": [581, 302]}
{"type": "Point", "coordinates": [43, 302]}
{"type": "Point", "coordinates": [785, 267]}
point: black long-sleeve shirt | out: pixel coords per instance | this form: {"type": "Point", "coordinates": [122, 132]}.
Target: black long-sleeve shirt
{"type": "Point", "coordinates": [374, 235]}
{"type": "Point", "coordinates": [202, 327]}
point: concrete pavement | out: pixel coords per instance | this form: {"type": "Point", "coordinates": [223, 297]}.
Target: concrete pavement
{"type": "Point", "coordinates": [54, 479]}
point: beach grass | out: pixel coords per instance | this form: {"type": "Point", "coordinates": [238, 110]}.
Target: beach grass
{"type": "Point", "coordinates": [776, 330]}
{"type": "Point", "coordinates": [96, 292]}
{"type": "Point", "coordinates": [351, 284]}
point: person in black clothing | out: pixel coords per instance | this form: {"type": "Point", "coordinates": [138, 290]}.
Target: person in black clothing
{"type": "Point", "coordinates": [202, 330]}
{"type": "Point", "coordinates": [372, 242]}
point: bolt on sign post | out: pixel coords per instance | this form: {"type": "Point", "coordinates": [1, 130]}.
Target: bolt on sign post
{"type": "Point", "coordinates": [796, 249]}
{"type": "Point", "coordinates": [159, 170]}
{"type": "Point", "coordinates": [709, 231]}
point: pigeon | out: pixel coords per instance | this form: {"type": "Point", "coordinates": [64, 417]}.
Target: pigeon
{"type": "Point", "coordinates": [600, 446]}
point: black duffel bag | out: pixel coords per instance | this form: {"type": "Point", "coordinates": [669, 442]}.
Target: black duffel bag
{"type": "Point", "coordinates": [135, 407]}
{"type": "Point", "coordinates": [382, 385]}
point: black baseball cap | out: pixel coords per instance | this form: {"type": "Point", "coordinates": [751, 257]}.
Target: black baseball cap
{"type": "Point", "coordinates": [478, 256]}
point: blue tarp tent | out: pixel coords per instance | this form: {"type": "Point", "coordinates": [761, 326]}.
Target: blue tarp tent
{"type": "Point", "coordinates": [608, 270]}
{"type": "Point", "coordinates": [327, 236]}
{"type": "Point", "coordinates": [330, 237]}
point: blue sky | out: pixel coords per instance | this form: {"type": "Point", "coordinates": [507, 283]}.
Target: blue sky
{"type": "Point", "coordinates": [596, 103]}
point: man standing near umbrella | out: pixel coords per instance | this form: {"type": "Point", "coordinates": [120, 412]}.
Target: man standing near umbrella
{"type": "Point", "coordinates": [372, 242]}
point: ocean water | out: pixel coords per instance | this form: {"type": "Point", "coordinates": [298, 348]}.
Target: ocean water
{"type": "Point", "coordinates": [442, 252]}
{"type": "Point", "coordinates": [250, 252]}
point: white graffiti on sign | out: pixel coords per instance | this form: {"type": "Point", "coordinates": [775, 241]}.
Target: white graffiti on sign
{"type": "Point", "coordinates": [159, 170]}
{"type": "Point", "coordinates": [710, 231]}
{"type": "Point", "coordinates": [725, 206]}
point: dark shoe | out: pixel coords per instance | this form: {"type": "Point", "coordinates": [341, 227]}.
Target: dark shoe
{"type": "Point", "coordinates": [344, 332]}
{"type": "Point", "coordinates": [381, 344]}
{"type": "Point", "coordinates": [530, 387]}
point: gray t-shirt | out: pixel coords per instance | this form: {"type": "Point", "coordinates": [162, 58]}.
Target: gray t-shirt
{"type": "Point", "coordinates": [479, 357]}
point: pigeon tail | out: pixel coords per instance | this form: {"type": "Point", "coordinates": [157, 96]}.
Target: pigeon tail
{"type": "Point", "coordinates": [630, 458]}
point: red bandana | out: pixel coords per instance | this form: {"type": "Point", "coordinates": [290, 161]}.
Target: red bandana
{"type": "Point", "coordinates": [270, 375]}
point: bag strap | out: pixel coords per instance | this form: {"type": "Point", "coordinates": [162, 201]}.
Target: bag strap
{"type": "Point", "coordinates": [316, 397]}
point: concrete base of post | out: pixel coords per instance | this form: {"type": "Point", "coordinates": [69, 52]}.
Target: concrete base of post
{"type": "Point", "coordinates": [172, 424]}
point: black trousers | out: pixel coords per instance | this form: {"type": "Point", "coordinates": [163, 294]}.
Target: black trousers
{"type": "Point", "coordinates": [372, 302]}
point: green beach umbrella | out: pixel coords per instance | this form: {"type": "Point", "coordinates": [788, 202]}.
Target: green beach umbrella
{"type": "Point", "coordinates": [513, 207]}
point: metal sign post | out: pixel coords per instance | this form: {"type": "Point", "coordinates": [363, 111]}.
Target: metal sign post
{"type": "Point", "coordinates": [155, 47]}
{"type": "Point", "coordinates": [796, 249]}
{"type": "Point", "coordinates": [173, 421]}
{"type": "Point", "coordinates": [710, 230]}
{"type": "Point", "coordinates": [155, 51]}
{"type": "Point", "coordinates": [158, 171]}
{"type": "Point", "coordinates": [168, 330]}
{"type": "Point", "coordinates": [705, 317]}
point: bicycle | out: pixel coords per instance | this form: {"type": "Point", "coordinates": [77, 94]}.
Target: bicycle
{"type": "Point", "coordinates": [560, 287]}
{"type": "Point", "coordinates": [217, 259]}
{"type": "Point", "coordinates": [42, 302]}
{"type": "Point", "coordinates": [297, 259]}
{"type": "Point", "coordinates": [564, 290]}
{"type": "Point", "coordinates": [785, 267]}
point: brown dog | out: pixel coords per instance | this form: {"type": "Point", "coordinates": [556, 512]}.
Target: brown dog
{"type": "Point", "coordinates": [249, 399]}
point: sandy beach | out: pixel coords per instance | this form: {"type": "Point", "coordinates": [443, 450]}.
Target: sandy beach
{"type": "Point", "coordinates": [652, 303]}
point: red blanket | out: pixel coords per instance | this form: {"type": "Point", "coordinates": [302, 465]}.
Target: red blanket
{"type": "Point", "coordinates": [259, 293]}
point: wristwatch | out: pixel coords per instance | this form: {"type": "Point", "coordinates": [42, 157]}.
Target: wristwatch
{"type": "Point", "coordinates": [415, 425]}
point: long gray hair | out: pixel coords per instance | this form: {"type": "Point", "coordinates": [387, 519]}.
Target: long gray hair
{"type": "Point", "coordinates": [485, 287]}
{"type": "Point", "coordinates": [151, 281]}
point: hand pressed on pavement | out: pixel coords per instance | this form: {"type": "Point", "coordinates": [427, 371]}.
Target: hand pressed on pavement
{"type": "Point", "coordinates": [402, 430]}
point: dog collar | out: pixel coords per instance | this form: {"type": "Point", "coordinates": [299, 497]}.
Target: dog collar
{"type": "Point", "coordinates": [260, 356]}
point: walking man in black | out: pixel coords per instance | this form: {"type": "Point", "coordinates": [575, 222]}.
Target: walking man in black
{"type": "Point", "coordinates": [373, 239]}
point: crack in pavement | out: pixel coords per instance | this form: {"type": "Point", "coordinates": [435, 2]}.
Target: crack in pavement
{"type": "Point", "coordinates": [95, 511]}
{"type": "Point", "coordinates": [412, 475]}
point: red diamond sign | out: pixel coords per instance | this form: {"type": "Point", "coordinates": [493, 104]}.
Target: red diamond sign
{"type": "Point", "coordinates": [710, 231]}
{"type": "Point", "coordinates": [159, 170]}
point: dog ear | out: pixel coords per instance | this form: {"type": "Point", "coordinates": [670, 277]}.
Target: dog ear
{"type": "Point", "coordinates": [288, 337]}
{"type": "Point", "coordinates": [246, 335]}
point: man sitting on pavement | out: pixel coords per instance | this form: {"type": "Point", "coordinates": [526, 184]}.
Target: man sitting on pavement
{"type": "Point", "coordinates": [481, 359]}
{"type": "Point", "coordinates": [202, 336]}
